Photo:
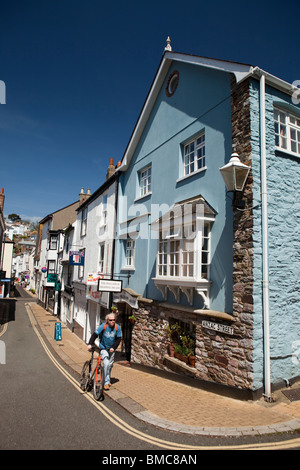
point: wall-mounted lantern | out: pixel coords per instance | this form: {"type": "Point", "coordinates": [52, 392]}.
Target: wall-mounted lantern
{"type": "Point", "coordinates": [235, 175]}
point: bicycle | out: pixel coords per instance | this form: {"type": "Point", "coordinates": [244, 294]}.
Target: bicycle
{"type": "Point", "coordinates": [93, 378]}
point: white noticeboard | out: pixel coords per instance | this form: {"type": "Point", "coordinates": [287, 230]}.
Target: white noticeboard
{"type": "Point", "coordinates": [109, 285]}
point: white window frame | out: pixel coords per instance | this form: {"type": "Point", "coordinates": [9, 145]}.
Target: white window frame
{"type": "Point", "coordinates": [186, 257]}
{"type": "Point", "coordinates": [287, 131]}
{"type": "Point", "coordinates": [130, 253]}
{"type": "Point", "coordinates": [81, 268]}
{"type": "Point", "coordinates": [51, 269]}
{"type": "Point", "coordinates": [53, 242]}
{"type": "Point", "coordinates": [83, 222]}
{"type": "Point", "coordinates": [145, 181]}
{"type": "Point", "coordinates": [194, 157]}
{"type": "Point", "coordinates": [101, 262]}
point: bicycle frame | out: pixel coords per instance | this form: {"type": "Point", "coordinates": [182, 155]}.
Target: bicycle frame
{"type": "Point", "coordinates": [94, 378]}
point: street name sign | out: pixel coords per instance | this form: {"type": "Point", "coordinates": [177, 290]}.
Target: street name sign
{"type": "Point", "coordinates": [217, 327]}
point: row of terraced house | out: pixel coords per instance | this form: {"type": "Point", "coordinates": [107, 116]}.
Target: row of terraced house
{"type": "Point", "coordinates": [194, 234]}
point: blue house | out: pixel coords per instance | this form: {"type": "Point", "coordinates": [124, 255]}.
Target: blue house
{"type": "Point", "coordinates": [222, 267]}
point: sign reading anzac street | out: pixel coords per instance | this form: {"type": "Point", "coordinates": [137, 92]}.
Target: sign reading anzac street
{"type": "Point", "coordinates": [217, 327]}
{"type": "Point", "coordinates": [109, 285]}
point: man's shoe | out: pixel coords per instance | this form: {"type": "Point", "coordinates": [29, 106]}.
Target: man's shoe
{"type": "Point", "coordinates": [106, 387]}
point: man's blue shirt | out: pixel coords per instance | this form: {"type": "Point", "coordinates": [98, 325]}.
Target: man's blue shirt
{"type": "Point", "coordinates": [109, 336]}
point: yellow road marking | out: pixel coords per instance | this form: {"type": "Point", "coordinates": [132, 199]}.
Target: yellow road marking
{"type": "Point", "coordinates": [167, 445]}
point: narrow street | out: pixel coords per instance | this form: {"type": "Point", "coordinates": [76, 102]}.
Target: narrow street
{"type": "Point", "coordinates": [40, 409]}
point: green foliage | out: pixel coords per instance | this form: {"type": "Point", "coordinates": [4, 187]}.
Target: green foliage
{"type": "Point", "coordinates": [185, 344]}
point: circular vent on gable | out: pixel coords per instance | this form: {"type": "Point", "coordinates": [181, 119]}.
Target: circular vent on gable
{"type": "Point", "coordinates": [172, 83]}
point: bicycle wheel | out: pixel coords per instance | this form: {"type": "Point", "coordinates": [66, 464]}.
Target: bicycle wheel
{"type": "Point", "coordinates": [99, 383]}
{"type": "Point", "coordinates": [85, 377]}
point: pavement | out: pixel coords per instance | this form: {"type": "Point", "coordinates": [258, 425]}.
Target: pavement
{"type": "Point", "coordinates": [168, 401]}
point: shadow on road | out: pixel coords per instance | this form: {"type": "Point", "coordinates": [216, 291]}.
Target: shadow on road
{"type": "Point", "coordinates": [7, 311]}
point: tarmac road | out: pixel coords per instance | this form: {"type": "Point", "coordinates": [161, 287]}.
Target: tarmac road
{"type": "Point", "coordinates": [42, 409]}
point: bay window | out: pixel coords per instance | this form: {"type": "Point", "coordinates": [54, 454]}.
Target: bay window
{"type": "Point", "coordinates": [183, 255]}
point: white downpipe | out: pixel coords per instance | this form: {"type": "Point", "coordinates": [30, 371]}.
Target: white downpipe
{"type": "Point", "coordinates": [265, 267]}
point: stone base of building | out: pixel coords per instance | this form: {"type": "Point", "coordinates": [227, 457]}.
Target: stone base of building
{"type": "Point", "coordinates": [223, 354]}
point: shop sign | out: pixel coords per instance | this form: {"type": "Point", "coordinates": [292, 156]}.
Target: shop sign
{"type": "Point", "coordinates": [218, 327]}
{"type": "Point", "coordinates": [51, 280]}
{"type": "Point", "coordinates": [93, 279]}
{"type": "Point", "coordinates": [76, 258]}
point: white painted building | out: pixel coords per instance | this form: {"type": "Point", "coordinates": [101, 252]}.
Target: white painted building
{"type": "Point", "coordinates": [49, 267]}
{"type": "Point", "coordinates": [94, 237]}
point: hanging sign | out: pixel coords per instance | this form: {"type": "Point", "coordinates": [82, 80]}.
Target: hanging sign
{"type": "Point", "coordinates": [76, 258]}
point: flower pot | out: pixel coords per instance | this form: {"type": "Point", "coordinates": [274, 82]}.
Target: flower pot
{"type": "Point", "coordinates": [171, 350]}
{"type": "Point", "coordinates": [181, 357]}
{"type": "Point", "coordinates": [192, 361]}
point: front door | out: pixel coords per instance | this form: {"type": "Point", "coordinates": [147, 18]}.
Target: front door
{"type": "Point", "coordinates": [127, 331]}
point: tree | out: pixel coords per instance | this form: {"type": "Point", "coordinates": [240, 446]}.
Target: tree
{"type": "Point", "coordinates": [14, 217]}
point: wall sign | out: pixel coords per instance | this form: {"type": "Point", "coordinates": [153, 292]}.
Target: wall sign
{"type": "Point", "coordinates": [218, 327]}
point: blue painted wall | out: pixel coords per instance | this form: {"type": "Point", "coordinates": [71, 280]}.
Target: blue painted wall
{"type": "Point", "coordinates": [201, 102]}
{"type": "Point", "coordinates": [283, 176]}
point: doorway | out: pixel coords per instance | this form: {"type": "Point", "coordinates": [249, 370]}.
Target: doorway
{"type": "Point", "coordinates": [124, 312]}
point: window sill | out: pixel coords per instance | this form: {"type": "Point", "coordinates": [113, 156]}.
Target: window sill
{"type": "Point", "coordinates": [143, 197]}
{"type": "Point", "coordinates": [186, 286]}
{"type": "Point", "coordinates": [178, 366]}
{"type": "Point", "coordinates": [287, 152]}
{"type": "Point", "coordinates": [191, 174]}
{"type": "Point", "coordinates": [128, 268]}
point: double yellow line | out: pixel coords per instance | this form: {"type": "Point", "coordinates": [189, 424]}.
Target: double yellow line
{"type": "Point", "coordinates": [166, 445]}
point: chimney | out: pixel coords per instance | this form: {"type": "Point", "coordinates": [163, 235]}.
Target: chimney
{"type": "Point", "coordinates": [83, 197]}
{"type": "Point", "coordinates": [2, 197]}
{"type": "Point", "coordinates": [111, 169]}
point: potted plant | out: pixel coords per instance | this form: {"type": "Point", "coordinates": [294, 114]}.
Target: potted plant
{"type": "Point", "coordinates": [132, 319]}
{"type": "Point", "coordinates": [181, 353]}
{"type": "Point", "coordinates": [173, 333]}
{"type": "Point", "coordinates": [186, 348]}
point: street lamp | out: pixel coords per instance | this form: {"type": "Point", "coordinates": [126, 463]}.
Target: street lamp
{"type": "Point", "coordinates": [235, 175]}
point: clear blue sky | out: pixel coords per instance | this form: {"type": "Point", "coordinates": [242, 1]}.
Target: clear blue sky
{"type": "Point", "coordinates": [77, 74]}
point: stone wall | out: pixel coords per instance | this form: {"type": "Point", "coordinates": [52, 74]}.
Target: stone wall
{"type": "Point", "coordinates": [220, 358]}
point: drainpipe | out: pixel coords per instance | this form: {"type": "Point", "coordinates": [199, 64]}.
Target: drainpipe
{"type": "Point", "coordinates": [265, 267]}
{"type": "Point", "coordinates": [113, 254]}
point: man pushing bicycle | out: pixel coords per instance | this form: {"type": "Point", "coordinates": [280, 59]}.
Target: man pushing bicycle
{"type": "Point", "coordinates": [110, 337]}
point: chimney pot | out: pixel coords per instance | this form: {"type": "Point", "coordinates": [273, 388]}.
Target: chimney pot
{"type": "Point", "coordinates": [2, 197]}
